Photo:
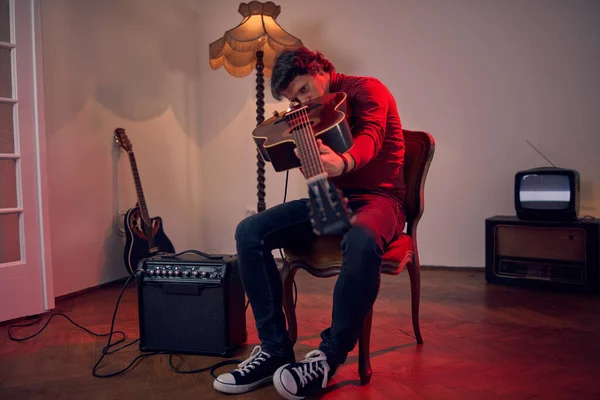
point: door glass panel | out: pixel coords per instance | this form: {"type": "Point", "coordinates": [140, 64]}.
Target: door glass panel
{"type": "Point", "coordinates": [10, 243]}
{"type": "Point", "coordinates": [4, 21]}
{"type": "Point", "coordinates": [5, 72]}
{"type": "Point", "coordinates": [7, 136]}
{"type": "Point", "coordinates": [8, 183]}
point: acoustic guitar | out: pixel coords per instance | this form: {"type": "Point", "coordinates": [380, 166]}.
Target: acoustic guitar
{"type": "Point", "coordinates": [322, 118]}
{"type": "Point", "coordinates": [145, 236]}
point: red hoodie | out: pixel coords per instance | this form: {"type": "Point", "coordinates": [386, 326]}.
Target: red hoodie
{"type": "Point", "coordinates": [378, 148]}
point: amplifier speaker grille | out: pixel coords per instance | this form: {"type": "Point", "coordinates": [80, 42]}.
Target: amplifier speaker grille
{"type": "Point", "coordinates": [183, 316]}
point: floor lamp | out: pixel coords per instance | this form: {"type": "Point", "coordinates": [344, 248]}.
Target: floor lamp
{"type": "Point", "coordinates": [253, 44]}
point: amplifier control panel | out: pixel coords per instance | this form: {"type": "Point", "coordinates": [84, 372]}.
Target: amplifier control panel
{"type": "Point", "coordinates": [212, 272]}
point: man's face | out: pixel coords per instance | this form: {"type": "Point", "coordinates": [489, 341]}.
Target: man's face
{"type": "Point", "coordinates": [307, 87]}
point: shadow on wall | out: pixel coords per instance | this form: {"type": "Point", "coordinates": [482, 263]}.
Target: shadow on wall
{"type": "Point", "coordinates": [138, 60]}
{"type": "Point", "coordinates": [315, 36]}
{"type": "Point", "coordinates": [112, 256]}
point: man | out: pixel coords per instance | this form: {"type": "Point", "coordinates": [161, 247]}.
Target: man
{"type": "Point", "coordinates": [371, 176]}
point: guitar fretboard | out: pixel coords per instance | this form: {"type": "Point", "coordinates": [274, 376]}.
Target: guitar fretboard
{"type": "Point", "coordinates": [304, 137]}
{"type": "Point", "coordinates": [138, 188]}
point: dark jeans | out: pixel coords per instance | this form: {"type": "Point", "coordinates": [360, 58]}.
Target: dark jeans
{"type": "Point", "coordinates": [379, 220]}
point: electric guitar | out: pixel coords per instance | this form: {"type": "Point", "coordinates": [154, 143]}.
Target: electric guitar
{"type": "Point", "coordinates": [145, 236]}
{"type": "Point", "coordinates": [323, 118]}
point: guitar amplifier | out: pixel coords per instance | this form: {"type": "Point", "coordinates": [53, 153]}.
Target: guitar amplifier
{"type": "Point", "coordinates": [193, 303]}
{"type": "Point", "coordinates": [553, 255]}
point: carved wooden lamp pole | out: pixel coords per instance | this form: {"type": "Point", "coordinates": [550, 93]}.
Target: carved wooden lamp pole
{"type": "Point", "coordinates": [254, 43]}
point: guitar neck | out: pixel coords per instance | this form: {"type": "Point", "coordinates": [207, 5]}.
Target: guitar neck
{"type": "Point", "coordinates": [306, 143]}
{"type": "Point", "coordinates": [138, 188]}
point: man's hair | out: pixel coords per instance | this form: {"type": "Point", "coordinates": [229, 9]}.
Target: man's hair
{"type": "Point", "coordinates": [291, 63]}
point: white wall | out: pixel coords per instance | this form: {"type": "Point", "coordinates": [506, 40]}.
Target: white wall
{"type": "Point", "coordinates": [481, 76]}
{"type": "Point", "coordinates": [111, 64]}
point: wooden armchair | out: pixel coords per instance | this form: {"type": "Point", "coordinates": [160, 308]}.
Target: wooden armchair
{"type": "Point", "coordinates": [323, 258]}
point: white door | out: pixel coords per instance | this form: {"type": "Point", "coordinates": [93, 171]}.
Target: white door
{"type": "Point", "coordinates": [25, 279]}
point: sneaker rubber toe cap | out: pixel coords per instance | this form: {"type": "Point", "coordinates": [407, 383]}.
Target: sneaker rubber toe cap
{"type": "Point", "coordinates": [226, 379]}
{"type": "Point", "coordinates": [288, 381]}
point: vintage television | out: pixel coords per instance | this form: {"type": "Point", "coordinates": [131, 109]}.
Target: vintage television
{"type": "Point", "coordinates": [547, 194]}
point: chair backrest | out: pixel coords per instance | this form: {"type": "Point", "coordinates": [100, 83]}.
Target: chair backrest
{"type": "Point", "coordinates": [419, 149]}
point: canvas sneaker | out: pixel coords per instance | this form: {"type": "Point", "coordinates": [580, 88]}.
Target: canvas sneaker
{"type": "Point", "coordinates": [296, 381]}
{"type": "Point", "coordinates": [255, 371]}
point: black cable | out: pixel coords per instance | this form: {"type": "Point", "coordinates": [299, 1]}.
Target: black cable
{"type": "Point", "coordinates": [106, 349]}
{"type": "Point", "coordinates": [200, 253]}
{"type": "Point", "coordinates": [212, 368]}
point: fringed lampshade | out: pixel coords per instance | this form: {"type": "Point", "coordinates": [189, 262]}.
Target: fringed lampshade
{"type": "Point", "coordinates": [254, 43]}
{"type": "Point", "coordinates": [258, 31]}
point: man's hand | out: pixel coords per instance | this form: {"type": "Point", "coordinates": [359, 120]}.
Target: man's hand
{"type": "Point", "coordinates": [332, 161]}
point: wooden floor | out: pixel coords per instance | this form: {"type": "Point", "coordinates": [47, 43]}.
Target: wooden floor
{"type": "Point", "coordinates": [481, 342]}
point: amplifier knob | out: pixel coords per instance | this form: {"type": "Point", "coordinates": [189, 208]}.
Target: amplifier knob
{"type": "Point", "coordinates": [170, 273]}
{"type": "Point", "coordinates": [204, 274]}
{"type": "Point", "coordinates": [177, 273]}
{"type": "Point", "coordinates": [187, 273]}
{"type": "Point", "coordinates": [195, 273]}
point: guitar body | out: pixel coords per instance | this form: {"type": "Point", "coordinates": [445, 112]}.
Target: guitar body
{"type": "Point", "coordinates": [274, 137]}
{"type": "Point", "coordinates": [299, 128]}
{"type": "Point", "coordinates": [136, 240]}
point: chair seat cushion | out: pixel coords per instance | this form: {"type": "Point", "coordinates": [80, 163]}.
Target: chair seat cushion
{"type": "Point", "coordinates": [398, 254]}
{"type": "Point", "coordinates": [326, 252]}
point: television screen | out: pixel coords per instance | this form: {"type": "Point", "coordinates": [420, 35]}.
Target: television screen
{"type": "Point", "coordinates": [545, 192]}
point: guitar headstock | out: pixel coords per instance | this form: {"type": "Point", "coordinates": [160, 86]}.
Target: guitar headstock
{"type": "Point", "coordinates": [328, 209]}
{"type": "Point", "coordinates": [122, 140]}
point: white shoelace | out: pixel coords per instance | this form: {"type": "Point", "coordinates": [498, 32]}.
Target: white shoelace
{"type": "Point", "coordinates": [256, 357]}
{"type": "Point", "coordinates": [315, 362]}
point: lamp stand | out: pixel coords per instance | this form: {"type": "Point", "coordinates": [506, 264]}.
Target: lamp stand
{"type": "Point", "coordinates": [260, 117]}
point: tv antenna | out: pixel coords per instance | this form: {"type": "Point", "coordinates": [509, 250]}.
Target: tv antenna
{"type": "Point", "coordinates": [540, 153]}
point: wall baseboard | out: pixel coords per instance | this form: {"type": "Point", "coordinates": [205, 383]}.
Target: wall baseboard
{"type": "Point", "coordinates": [453, 268]}
{"type": "Point", "coordinates": [279, 262]}
{"type": "Point", "coordinates": [92, 288]}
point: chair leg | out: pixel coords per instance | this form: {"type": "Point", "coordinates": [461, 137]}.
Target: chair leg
{"type": "Point", "coordinates": [287, 277]}
{"type": "Point", "coordinates": [414, 273]}
{"type": "Point", "coordinates": [364, 351]}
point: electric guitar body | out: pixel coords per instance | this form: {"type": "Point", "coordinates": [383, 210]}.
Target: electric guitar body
{"type": "Point", "coordinates": [322, 118]}
{"type": "Point", "coordinates": [136, 239]}
{"type": "Point", "coordinates": [145, 236]}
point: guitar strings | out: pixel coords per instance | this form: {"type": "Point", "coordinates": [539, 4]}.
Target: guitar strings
{"type": "Point", "coordinates": [307, 141]}
{"type": "Point", "coordinates": [319, 167]}
{"type": "Point", "coordinates": [302, 143]}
